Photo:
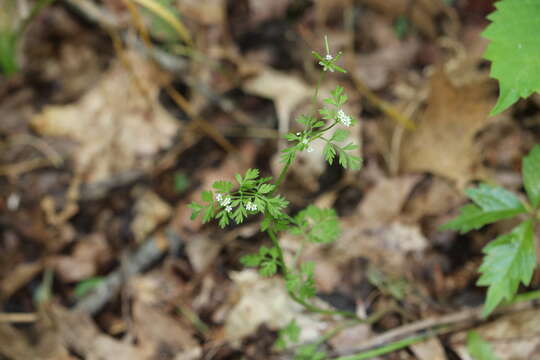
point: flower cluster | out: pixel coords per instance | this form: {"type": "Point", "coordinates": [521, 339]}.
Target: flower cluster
{"type": "Point", "coordinates": [225, 202]}
{"type": "Point", "coordinates": [251, 206]}
{"type": "Point", "coordinates": [343, 118]}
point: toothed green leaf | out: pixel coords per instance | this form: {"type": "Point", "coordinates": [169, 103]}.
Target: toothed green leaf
{"type": "Point", "coordinates": [513, 50]}
{"type": "Point", "coordinates": [509, 260]}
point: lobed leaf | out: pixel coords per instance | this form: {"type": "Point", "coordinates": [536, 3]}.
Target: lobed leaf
{"type": "Point", "coordinates": [510, 260]}
{"type": "Point", "coordinates": [513, 50]}
{"type": "Point", "coordinates": [492, 204]}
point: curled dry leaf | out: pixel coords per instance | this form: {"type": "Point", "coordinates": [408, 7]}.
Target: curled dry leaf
{"type": "Point", "coordinates": [117, 126]}
{"type": "Point", "coordinates": [444, 141]}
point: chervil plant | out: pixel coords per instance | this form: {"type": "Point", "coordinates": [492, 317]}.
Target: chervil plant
{"type": "Point", "coordinates": [510, 259]}
{"type": "Point", "coordinates": [252, 195]}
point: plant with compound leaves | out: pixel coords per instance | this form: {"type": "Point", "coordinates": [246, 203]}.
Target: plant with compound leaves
{"type": "Point", "coordinates": [510, 259]}
{"type": "Point", "coordinates": [252, 195]}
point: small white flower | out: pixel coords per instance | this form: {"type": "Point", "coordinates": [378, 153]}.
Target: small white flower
{"type": "Point", "coordinates": [328, 57]}
{"type": "Point", "coordinates": [219, 197]}
{"type": "Point", "coordinates": [343, 118]}
{"type": "Point", "coordinates": [310, 149]}
{"type": "Point", "coordinates": [251, 206]}
{"type": "Point", "coordinates": [226, 201]}
{"type": "Point", "coordinates": [304, 141]}
{"type": "Point", "coordinates": [228, 208]}
{"type": "Point", "coordinates": [298, 133]}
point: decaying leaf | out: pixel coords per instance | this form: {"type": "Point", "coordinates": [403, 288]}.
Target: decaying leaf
{"type": "Point", "coordinates": [287, 92]}
{"type": "Point", "coordinates": [151, 211]}
{"type": "Point", "coordinates": [90, 252]}
{"type": "Point", "coordinates": [265, 301]}
{"type": "Point", "coordinates": [444, 142]}
{"type": "Point", "coordinates": [119, 125]}
{"type": "Point", "coordinates": [515, 336]}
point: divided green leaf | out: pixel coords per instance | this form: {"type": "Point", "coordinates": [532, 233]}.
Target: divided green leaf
{"type": "Point", "coordinates": [513, 50]}
{"type": "Point", "coordinates": [319, 225]}
{"type": "Point", "coordinates": [287, 335]}
{"type": "Point", "coordinates": [509, 260]}
{"type": "Point", "coordinates": [302, 283]}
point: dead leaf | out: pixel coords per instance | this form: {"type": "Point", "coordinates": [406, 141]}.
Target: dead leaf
{"type": "Point", "coordinates": [84, 262]}
{"type": "Point", "coordinates": [423, 14]}
{"type": "Point", "coordinates": [430, 349]}
{"type": "Point", "coordinates": [265, 301]}
{"type": "Point", "coordinates": [150, 211]}
{"type": "Point", "coordinates": [206, 12]}
{"type": "Point", "coordinates": [444, 142]}
{"type": "Point", "coordinates": [263, 10]}
{"type": "Point", "coordinates": [159, 332]}
{"type": "Point", "coordinates": [119, 125]}
{"type": "Point", "coordinates": [515, 336]}
{"type": "Point", "coordinates": [77, 331]}
{"type": "Point", "coordinates": [391, 56]}
{"type": "Point", "coordinates": [385, 200]}
{"type": "Point", "coordinates": [286, 90]}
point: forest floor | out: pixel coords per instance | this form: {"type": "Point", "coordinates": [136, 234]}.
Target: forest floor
{"type": "Point", "coordinates": [115, 124]}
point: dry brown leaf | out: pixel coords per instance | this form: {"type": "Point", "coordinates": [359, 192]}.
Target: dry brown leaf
{"type": "Point", "coordinates": [515, 336]}
{"type": "Point", "coordinates": [287, 91]}
{"type": "Point", "coordinates": [373, 232]}
{"type": "Point", "coordinates": [266, 301]}
{"type": "Point", "coordinates": [385, 200]}
{"type": "Point", "coordinates": [151, 211]}
{"type": "Point", "coordinates": [264, 10]}
{"type": "Point", "coordinates": [348, 339]}
{"type": "Point", "coordinates": [207, 12]}
{"type": "Point", "coordinates": [391, 56]}
{"type": "Point", "coordinates": [423, 13]}
{"type": "Point", "coordinates": [158, 332]}
{"type": "Point", "coordinates": [77, 331]}
{"type": "Point", "coordinates": [89, 253]}
{"type": "Point", "coordinates": [119, 125]}
{"type": "Point", "coordinates": [444, 142]}
{"type": "Point", "coordinates": [430, 349]}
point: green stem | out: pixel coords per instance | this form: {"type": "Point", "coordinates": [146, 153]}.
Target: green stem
{"type": "Point", "coordinates": [282, 175]}
{"type": "Point", "coordinates": [305, 304]}
{"type": "Point", "coordinates": [386, 349]}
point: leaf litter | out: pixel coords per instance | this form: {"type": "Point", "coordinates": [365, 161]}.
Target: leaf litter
{"type": "Point", "coordinates": [195, 302]}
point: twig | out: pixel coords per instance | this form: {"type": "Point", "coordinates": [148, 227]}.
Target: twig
{"type": "Point", "coordinates": [461, 319]}
{"type": "Point", "coordinates": [18, 317]}
{"type": "Point", "coordinates": [148, 253]}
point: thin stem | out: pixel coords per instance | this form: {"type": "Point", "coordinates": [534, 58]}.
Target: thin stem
{"type": "Point", "coordinates": [386, 349]}
{"type": "Point", "coordinates": [305, 304]}
{"type": "Point", "coordinates": [282, 174]}
{"type": "Point", "coordinates": [326, 44]}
